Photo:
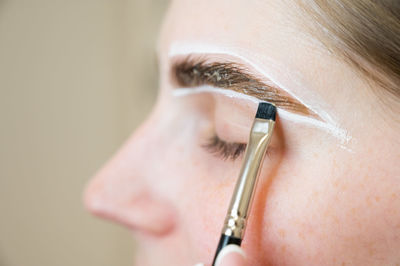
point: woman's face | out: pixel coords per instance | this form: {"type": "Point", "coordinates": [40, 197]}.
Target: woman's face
{"type": "Point", "coordinates": [329, 189]}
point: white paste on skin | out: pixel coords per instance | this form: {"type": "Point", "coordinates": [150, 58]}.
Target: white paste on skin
{"type": "Point", "coordinates": [329, 125]}
{"type": "Point", "coordinates": [187, 48]}
{"type": "Point", "coordinates": [331, 129]}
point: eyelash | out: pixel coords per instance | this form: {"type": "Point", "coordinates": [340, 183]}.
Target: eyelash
{"type": "Point", "coordinates": [223, 149]}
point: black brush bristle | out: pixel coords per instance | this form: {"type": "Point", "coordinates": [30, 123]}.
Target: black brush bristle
{"type": "Point", "coordinates": [266, 111]}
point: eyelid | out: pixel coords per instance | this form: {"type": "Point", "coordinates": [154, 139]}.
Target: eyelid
{"type": "Point", "coordinates": [223, 149]}
{"type": "Point", "coordinates": [191, 72]}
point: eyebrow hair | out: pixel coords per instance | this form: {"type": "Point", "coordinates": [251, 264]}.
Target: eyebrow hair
{"type": "Point", "coordinates": [191, 72]}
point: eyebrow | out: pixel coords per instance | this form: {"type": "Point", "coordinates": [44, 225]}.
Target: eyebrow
{"type": "Point", "coordinates": [191, 72]}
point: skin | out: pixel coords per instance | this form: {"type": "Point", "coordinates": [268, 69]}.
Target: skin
{"type": "Point", "coordinates": [317, 203]}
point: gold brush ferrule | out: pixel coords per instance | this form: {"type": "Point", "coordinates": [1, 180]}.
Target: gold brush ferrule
{"type": "Point", "coordinates": [239, 208]}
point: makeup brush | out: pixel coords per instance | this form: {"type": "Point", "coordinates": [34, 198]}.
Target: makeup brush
{"type": "Point", "coordinates": [240, 205]}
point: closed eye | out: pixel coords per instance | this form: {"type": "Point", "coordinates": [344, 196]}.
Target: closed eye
{"type": "Point", "coordinates": [223, 149]}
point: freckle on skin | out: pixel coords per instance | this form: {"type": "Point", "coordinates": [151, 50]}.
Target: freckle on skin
{"type": "Point", "coordinates": [282, 233]}
{"type": "Point", "coordinates": [301, 235]}
{"type": "Point", "coordinates": [368, 201]}
{"type": "Point", "coordinates": [371, 252]}
{"type": "Point", "coordinates": [336, 219]}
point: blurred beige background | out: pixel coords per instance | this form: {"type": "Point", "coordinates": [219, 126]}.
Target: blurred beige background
{"type": "Point", "coordinates": [76, 77]}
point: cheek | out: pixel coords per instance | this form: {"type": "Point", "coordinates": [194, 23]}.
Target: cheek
{"type": "Point", "coordinates": [329, 214]}
{"type": "Point", "coordinates": [206, 204]}
{"type": "Point", "coordinates": [207, 188]}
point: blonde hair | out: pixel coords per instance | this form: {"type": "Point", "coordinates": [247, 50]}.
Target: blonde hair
{"type": "Point", "coordinates": [365, 33]}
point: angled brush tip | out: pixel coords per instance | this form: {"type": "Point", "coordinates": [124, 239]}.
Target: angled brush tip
{"type": "Point", "coordinates": [266, 111]}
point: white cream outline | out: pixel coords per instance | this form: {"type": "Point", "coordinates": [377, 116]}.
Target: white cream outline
{"type": "Point", "coordinates": [187, 48]}
{"type": "Point", "coordinates": [333, 130]}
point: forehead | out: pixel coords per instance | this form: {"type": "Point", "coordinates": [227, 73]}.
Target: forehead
{"type": "Point", "coordinates": [213, 18]}
{"type": "Point", "coordinates": [258, 25]}
{"type": "Point", "coordinates": [265, 27]}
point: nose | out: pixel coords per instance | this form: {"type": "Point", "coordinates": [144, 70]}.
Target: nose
{"type": "Point", "coordinates": [121, 191]}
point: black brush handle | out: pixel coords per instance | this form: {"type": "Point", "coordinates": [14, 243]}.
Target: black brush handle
{"type": "Point", "coordinates": [223, 242]}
